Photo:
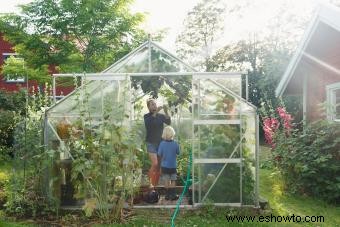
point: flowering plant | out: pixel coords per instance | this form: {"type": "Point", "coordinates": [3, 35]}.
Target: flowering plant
{"type": "Point", "coordinates": [273, 123]}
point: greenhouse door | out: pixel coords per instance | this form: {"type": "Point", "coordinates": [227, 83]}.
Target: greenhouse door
{"type": "Point", "coordinates": [217, 136]}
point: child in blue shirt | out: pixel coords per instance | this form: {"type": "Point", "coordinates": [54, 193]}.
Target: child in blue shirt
{"type": "Point", "coordinates": [167, 151]}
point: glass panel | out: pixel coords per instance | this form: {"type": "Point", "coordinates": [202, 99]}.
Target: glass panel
{"type": "Point", "coordinates": [163, 62]}
{"type": "Point", "coordinates": [247, 109]}
{"type": "Point", "coordinates": [170, 90]}
{"type": "Point", "coordinates": [70, 104]}
{"type": "Point", "coordinates": [223, 124]}
{"type": "Point", "coordinates": [337, 104]}
{"type": "Point", "coordinates": [217, 141]}
{"type": "Point", "coordinates": [212, 101]}
{"type": "Point", "coordinates": [138, 62]}
{"type": "Point", "coordinates": [93, 93]}
{"type": "Point", "coordinates": [249, 159]}
{"type": "Point", "coordinates": [218, 183]}
{"type": "Point", "coordinates": [183, 128]}
{"type": "Point", "coordinates": [52, 142]}
{"type": "Point", "coordinates": [64, 86]}
{"type": "Point", "coordinates": [233, 84]}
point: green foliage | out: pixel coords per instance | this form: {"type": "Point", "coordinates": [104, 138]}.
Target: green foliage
{"type": "Point", "coordinates": [12, 106]}
{"type": "Point", "coordinates": [264, 55]}
{"type": "Point", "coordinates": [76, 36]}
{"type": "Point", "coordinates": [283, 203]}
{"type": "Point", "coordinates": [263, 61]}
{"type": "Point", "coordinates": [14, 68]}
{"type": "Point", "coordinates": [26, 189]}
{"type": "Point", "coordinates": [176, 90]}
{"type": "Point", "coordinates": [220, 142]}
{"type": "Point", "coordinates": [104, 158]}
{"type": "Point", "coordinates": [3, 182]}
{"type": "Point", "coordinates": [309, 161]}
{"type": "Point", "coordinates": [25, 198]}
{"type": "Point", "coordinates": [14, 101]}
{"type": "Point", "coordinates": [7, 125]}
{"type": "Point", "coordinates": [183, 158]}
{"type": "Point", "coordinates": [203, 25]}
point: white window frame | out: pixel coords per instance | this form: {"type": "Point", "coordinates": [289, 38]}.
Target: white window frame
{"type": "Point", "coordinates": [331, 101]}
{"type": "Point", "coordinates": [18, 80]}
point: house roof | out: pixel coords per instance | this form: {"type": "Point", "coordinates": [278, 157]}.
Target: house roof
{"type": "Point", "coordinates": [319, 47]}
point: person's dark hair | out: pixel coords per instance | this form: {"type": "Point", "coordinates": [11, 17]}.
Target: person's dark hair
{"type": "Point", "coordinates": [148, 102]}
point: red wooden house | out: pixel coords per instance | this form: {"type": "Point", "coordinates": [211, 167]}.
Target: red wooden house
{"type": "Point", "coordinates": [6, 50]}
{"type": "Point", "coordinates": [314, 71]}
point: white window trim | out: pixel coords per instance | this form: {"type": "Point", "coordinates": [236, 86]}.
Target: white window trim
{"type": "Point", "coordinates": [9, 54]}
{"type": "Point", "coordinates": [19, 80]}
{"type": "Point", "coordinates": [330, 89]}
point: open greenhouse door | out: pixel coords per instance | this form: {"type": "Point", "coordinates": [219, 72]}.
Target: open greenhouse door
{"type": "Point", "coordinates": [217, 139]}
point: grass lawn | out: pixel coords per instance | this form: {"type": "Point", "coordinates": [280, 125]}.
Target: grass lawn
{"type": "Point", "coordinates": [270, 188]}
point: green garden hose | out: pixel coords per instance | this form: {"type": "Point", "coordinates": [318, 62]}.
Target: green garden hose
{"type": "Point", "coordinates": [188, 182]}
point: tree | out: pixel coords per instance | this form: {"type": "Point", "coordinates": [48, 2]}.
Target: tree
{"type": "Point", "coordinates": [264, 55]}
{"type": "Point", "coordinates": [263, 62]}
{"type": "Point", "coordinates": [203, 26]}
{"type": "Point", "coordinates": [76, 36]}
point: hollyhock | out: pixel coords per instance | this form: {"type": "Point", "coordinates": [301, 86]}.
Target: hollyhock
{"type": "Point", "coordinates": [286, 118]}
{"type": "Point", "coordinates": [270, 125]}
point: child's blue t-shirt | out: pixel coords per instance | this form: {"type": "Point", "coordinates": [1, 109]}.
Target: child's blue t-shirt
{"type": "Point", "coordinates": [168, 150]}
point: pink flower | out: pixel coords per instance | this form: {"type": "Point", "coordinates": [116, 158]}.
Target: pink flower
{"type": "Point", "coordinates": [286, 118]}
{"type": "Point", "coordinates": [270, 125]}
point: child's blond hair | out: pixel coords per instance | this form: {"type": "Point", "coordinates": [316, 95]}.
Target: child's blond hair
{"type": "Point", "coordinates": [168, 133]}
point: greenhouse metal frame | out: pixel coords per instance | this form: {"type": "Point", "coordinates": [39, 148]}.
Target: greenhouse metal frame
{"type": "Point", "coordinates": [215, 167]}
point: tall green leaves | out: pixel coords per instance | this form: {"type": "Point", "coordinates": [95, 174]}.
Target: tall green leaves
{"type": "Point", "coordinates": [26, 194]}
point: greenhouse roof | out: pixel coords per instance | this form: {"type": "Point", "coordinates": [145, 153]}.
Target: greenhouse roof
{"type": "Point", "coordinates": [149, 57]}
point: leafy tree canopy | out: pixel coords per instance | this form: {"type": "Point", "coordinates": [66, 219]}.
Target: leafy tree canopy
{"type": "Point", "coordinates": [203, 25]}
{"type": "Point", "coordinates": [75, 35]}
{"type": "Point", "coordinates": [263, 55]}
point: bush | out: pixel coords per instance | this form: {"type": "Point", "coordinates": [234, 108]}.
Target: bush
{"type": "Point", "coordinates": [7, 125]}
{"type": "Point", "coordinates": [12, 105]}
{"type": "Point", "coordinates": [14, 101]}
{"type": "Point", "coordinates": [3, 181]}
{"type": "Point", "coordinates": [27, 190]}
{"type": "Point", "coordinates": [309, 161]}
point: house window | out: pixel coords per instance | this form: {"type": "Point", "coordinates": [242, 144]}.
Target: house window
{"type": "Point", "coordinates": [333, 102]}
{"type": "Point", "coordinates": [18, 80]}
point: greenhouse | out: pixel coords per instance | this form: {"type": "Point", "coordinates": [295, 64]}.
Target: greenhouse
{"type": "Point", "coordinates": [96, 134]}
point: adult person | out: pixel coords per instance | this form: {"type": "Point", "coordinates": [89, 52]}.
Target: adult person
{"type": "Point", "coordinates": [154, 124]}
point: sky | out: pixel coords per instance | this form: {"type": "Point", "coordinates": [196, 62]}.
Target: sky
{"type": "Point", "coordinates": [170, 14]}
